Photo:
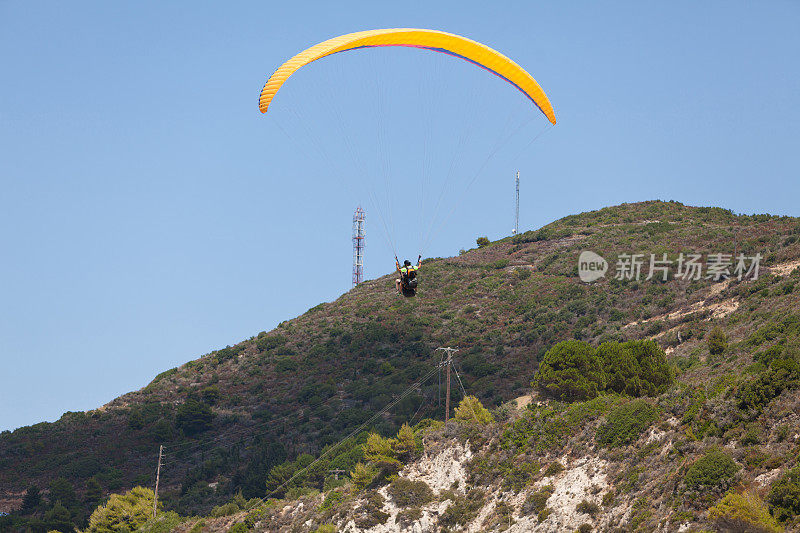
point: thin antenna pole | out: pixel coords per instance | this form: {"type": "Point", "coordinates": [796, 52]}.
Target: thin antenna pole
{"type": "Point", "coordinates": [358, 245]}
{"type": "Point", "coordinates": [158, 474]}
{"type": "Point", "coordinates": [516, 207]}
{"type": "Point", "coordinates": [449, 351]}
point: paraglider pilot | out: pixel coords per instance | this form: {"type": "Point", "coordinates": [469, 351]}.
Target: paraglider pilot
{"type": "Point", "coordinates": [406, 284]}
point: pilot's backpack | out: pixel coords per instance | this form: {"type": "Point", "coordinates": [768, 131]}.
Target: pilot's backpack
{"type": "Point", "coordinates": [410, 279]}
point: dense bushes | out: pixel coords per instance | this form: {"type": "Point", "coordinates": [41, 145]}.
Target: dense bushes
{"type": "Point", "coordinates": [783, 373]}
{"type": "Point", "coordinates": [570, 371]}
{"type": "Point", "coordinates": [471, 410]}
{"type": "Point", "coordinates": [574, 370]}
{"type": "Point", "coordinates": [123, 512]}
{"type": "Point", "coordinates": [537, 501]}
{"type": "Point", "coordinates": [383, 456]}
{"type": "Point", "coordinates": [717, 343]}
{"type": "Point", "coordinates": [546, 427]}
{"type": "Point", "coordinates": [405, 492]}
{"type": "Point", "coordinates": [587, 507]}
{"type": "Point", "coordinates": [636, 368]}
{"type": "Point", "coordinates": [193, 417]}
{"type": "Point", "coordinates": [743, 512]}
{"type": "Point", "coordinates": [625, 423]}
{"type": "Point", "coordinates": [463, 509]}
{"type": "Point", "coordinates": [715, 470]}
{"type": "Point", "coordinates": [163, 523]}
{"type": "Point", "coordinates": [784, 496]}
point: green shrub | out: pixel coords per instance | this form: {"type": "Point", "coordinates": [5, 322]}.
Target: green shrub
{"type": "Point", "coordinates": [210, 394]}
{"type": "Point", "coordinates": [587, 507]}
{"type": "Point", "coordinates": [123, 512]}
{"type": "Point", "coordinates": [470, 409]}
{"type": "Point", "coordinates": [162, 431]}
{"type": "Point", "coordinates": [743, 512]}
{"type": "Point", "coordinates": [547, 427]}
{"type": "Point", "coordinates": [380, 451]}
{"type": "Point", "coordinates": [715, 470]}
{"type": "Point", "coordinates": [519, 473]}
{"type": "Point", "coordinates": [326, 528]}
{"type": "Point", "coordinates": [641, 512]}
{"type": "Point", "coordinates": [239, 527]}
{"type": "Point", "coordinates": [635, 368]}
{"type": "Point", "coordinates": [608, 498]}
{"type": "Point", "coordinates": [584, 528]}
{"type": "Point", "coordinates": [574, 370]}
{"type": "Point", "coordinates": [370, 514]}
{"type": "Point", "coordinates": [752, 436]}
{"type": "Point", "coordinates": [165, 374]}
{"type": "Point", "coordinates": [267, 343]}
{"type": "Point", "coordinates": [717, 342]}
{"type": "Point", "coordinates": [363, 475]}
{"type": "Point", "coordinates": [58, 518]}
{"type": "Point", "coordinates": [193, 417]}
{"type": "Point", "coordinates": [755, 394]}
{"type": "Point", "coordinates": [135, 419]}
{"type": "Point", "coordinates": [463, 509]}
{"type": "Point", "coordinates": [405, 445]}
{"type": "Point", "coordinates": [543, 514]}
{"type": "Point", "coordinates": [784, 496]}
{"type": "Point", "coordinates": [406, 517]}
{"type": "Point", "coordinates": [332, 499]}
{"type": "Point", "coordinates": [482, 241]}
{"type": "Point", "coordinates": [626, 423]}
{"type": "Point", "coordinates": [570, 371]}
{"type": "Point", "coordinates": [553, 468]}
{"type": "Point", "coordinates": [226, 509]}
{"type": "Point", "coordinates": [537, 501]}
{"type": "Point", "coordinates": [405, 492]}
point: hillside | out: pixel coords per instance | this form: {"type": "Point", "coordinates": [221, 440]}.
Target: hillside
{"type": "Point", "coordinates": [231, 416]}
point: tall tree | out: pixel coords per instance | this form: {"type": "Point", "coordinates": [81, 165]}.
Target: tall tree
{"type": "Point", "coordinates": [94, 494]}
{"type": "Point", "coordinates": [31, 500]}
{"type": "Point", "coordinates": [62, 491]}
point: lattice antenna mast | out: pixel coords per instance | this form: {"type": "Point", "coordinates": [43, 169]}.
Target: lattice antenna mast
{"type": "Point", "coordinates": [516, 207]}
{"type": "Point", "coordinates": [358, 245]}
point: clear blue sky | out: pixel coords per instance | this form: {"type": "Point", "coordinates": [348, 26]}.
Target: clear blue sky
{"type": "Point", "coordinates": [149, 214]}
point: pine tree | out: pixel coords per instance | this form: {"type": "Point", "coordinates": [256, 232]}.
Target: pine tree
{"type": "Point", "coordinates": [31, 500]}
{"type": "Point", "coordinates": [94, 494]}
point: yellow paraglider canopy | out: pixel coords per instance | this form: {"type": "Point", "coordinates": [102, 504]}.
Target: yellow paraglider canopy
{"type": "Point", "coordinates": [438, 41]}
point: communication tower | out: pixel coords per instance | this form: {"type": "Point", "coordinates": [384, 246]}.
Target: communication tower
{"type": "Point", "coordinates": [358, 246]}
{"type": "Point", "coordinates": [516, 208]}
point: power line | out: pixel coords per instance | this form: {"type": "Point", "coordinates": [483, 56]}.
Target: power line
{"type": "Point", "coordinates": [464, 393]}
{"type": "Point", "coordinates": [353, 433]}
{"type": "Point", "coordinates": [415, 386]}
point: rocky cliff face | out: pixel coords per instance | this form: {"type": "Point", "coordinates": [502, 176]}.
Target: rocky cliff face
{"type": "Point", "coordinates": [465, 479]}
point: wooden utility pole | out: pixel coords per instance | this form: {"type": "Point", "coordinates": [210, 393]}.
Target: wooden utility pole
{"type": "Point", "coordinates": [158, 474]}
{"type": "Point", "coordinates": [449, 352]}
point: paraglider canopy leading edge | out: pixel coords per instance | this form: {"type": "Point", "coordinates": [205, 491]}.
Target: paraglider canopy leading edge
{"type": "Point", "coordinates": [437, 41]}
{"type": "Point", "coordinates": [473, 52]}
